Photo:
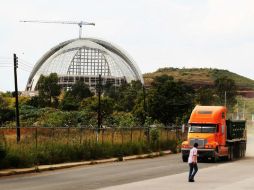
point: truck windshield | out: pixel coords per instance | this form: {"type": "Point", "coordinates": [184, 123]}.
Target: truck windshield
{"type": "Point", "coordinates": [203, 128]}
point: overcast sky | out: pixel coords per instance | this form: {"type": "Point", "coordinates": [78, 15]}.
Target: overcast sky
{"type": "Point", "coordinates": [156, 33]}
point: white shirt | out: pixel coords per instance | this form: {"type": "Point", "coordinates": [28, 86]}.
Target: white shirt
{"type": "Point", "coordinates": [193, 152]}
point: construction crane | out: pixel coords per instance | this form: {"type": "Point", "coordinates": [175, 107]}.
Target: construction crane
{"type": "Point", "coordinates": [80, 24]}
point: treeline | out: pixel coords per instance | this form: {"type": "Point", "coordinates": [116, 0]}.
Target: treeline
{"type": "Point", "coordinates": [166, 101]}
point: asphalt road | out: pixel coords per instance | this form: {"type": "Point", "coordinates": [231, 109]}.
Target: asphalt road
{"type": "Point", "coordinates": [98, 176]}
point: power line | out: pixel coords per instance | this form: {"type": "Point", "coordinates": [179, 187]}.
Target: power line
{"type": "Point", "coordinates": [26, 62]}
{"type": "Point", "coordinates": [24, 65]}
{"type": "Point", "coordinates": [23, 69]}
{"type": "Point", "coordinates": [5, 63]}
{"type": "Point", "coordinates": [5, 58]}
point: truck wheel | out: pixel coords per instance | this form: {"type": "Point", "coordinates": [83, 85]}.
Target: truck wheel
{"type": "Point", "coordinates": [215, 159]}
{"type": "Point", "coordinates": [237, 150]}
{"type": "Point", "coordinates": [244, 150]}
{"type": "Point", "coordinates": [185, 158]}
{"type": "Point", "coordinates": [231, 153]}
{"type": "Point", "coordinates": [241, 150]}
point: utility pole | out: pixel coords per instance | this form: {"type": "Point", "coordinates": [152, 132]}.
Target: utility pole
{"type": "Point", "coordinates": [15, 59]}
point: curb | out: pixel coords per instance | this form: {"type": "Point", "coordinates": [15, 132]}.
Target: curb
{"type": "Point", "coordinates": [41, 168]}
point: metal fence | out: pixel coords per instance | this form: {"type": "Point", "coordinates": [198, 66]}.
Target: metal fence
{"type": "Point", "coordinates": [79, 135]}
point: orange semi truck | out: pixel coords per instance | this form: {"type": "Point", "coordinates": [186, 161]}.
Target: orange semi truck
{"type": "Point", "coordinates": [217, 137]}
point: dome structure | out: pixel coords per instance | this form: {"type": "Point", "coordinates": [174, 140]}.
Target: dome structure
{"type": "Point", "coordinates": [85, 59]}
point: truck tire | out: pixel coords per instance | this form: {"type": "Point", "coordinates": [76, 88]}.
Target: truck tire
{"type": "Point", "coordinates": [241, 150]}
{"type": "Point", "coordinates": [244, 149]}
{"type": "Point", "coordinates": [230, 153]}
{"type": "Point", "coordinates": [184, 158]}
{"type": "Point", "coordinates": [215, 159]}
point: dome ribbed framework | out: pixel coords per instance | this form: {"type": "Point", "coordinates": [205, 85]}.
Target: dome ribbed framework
{"type": "Point", "coordinates": [85, 59]}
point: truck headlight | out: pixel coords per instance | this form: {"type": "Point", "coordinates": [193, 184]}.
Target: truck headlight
{"type": "Point", "coordinates": [209, 146]}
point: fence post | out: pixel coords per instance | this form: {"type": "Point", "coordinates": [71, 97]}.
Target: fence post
{"type": "Point", "coordinates": [140, 132]}
{"type": "Point", "coordinates": [112, 135]}
{"type": "Point", "coordinates": [52, 144]}
{"type": "Point", "coordinates": [131, 135]}
{"type": "Point", "coordinates": [102, 135]}
{"type": "Point", "coordinates": [80, 138]}
{"type": "Point", "coordinates": [167, 133]}
{"type": "Point", "coordinates": [36, 150]}
{"type": "Point", "coordinates": [36, 139]}
{"type": "Point", "coordinates": [122, 134]}
{"type": "Point", "coordinates": [68, 134]}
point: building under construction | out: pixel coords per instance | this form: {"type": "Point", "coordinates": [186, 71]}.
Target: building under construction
{"type": "Point", "coordinates": [85, 59]}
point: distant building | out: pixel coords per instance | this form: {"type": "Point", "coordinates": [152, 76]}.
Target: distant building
{"type": "Point", "coordinates": [85, 59]}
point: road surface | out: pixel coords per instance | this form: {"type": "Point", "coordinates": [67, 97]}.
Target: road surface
{"type": "Point", "coordinates": [99, 176]}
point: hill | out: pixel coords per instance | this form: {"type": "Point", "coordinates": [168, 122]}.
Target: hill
{"type": "Point", "coordinates": [198, 77]}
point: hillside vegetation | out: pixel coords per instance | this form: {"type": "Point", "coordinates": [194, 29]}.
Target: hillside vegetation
{"type": "Point", "coordinates": [200, 76]}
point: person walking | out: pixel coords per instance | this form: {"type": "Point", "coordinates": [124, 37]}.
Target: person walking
{"type": "Point", "coordinates": [192, 161]}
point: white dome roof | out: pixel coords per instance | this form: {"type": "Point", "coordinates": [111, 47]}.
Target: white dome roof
{"type": "Point", "coordinates": [85, 57]}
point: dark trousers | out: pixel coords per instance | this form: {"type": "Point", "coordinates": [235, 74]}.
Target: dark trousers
{"type": "Point", "coordinates": [193, 170]}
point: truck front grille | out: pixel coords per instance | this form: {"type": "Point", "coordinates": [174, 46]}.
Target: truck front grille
{"type": "Point", "coordinates": [201, 142]}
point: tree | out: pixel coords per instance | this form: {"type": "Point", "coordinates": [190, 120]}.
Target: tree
{"type": "Point", "coordinates": [3, 102]}
{"type": "Point", "coordinates": [49, 90]}
{"type": "Point", "coordinates": [80, 90]}
{"type": "Point", "coordinates": [75, 95]}
{"type": "Point", "coordinates": [125, 96]}
{"type": "Point", "coordinates": [169, 99]}
{"type": "Point", "coordinates": [222, 85]}
{"type": "Point", "coordinates": [91, 105]}
{"type": "Point", "coordinates": [206, 96]}
{"type": "Point", "coordinates": [69, 103]}
{"type": "Point", "coordinates": [7, 113]}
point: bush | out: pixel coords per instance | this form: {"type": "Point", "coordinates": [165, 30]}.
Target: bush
{"type": "Point", "coordinates": [154, 136]}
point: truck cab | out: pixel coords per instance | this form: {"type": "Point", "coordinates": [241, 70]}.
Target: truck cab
{"type": "Point", "coordinates": [207, 127]}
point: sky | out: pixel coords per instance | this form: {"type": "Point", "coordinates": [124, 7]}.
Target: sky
{"type": "Point", "coordinates": [156, 33]}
